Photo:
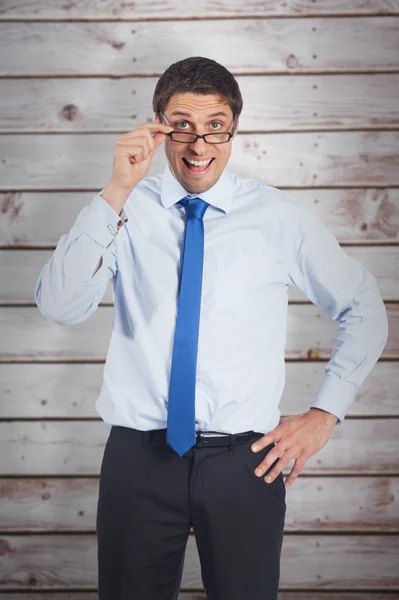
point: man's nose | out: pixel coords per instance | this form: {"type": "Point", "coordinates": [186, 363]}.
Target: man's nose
{"type": "Point", "coordinates": [199, 147]}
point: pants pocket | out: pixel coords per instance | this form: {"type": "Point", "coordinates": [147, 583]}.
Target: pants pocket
{"type": "Point", "coordinates": [275, 490]}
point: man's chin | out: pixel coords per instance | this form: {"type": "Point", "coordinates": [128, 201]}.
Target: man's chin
{"type": "Point", "coordinates": [196, 186]}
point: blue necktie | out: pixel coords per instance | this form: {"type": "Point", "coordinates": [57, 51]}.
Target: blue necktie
{"type": "Point", "coordinates": [181, 404]}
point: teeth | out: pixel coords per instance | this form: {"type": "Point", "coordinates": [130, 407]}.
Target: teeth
{"type": "Point", "coordinates": [200, 163]}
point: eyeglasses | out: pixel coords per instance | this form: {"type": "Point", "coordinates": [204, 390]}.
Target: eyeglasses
{"type": "Point", "coordinates": [183, 137]}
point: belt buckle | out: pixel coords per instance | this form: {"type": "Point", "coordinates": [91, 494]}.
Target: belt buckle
{"type": "Point", "coordinates": [210, 434]}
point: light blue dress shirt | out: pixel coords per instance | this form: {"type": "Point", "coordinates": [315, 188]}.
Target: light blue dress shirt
{"type": "Point", "coordinates": [258, 241]}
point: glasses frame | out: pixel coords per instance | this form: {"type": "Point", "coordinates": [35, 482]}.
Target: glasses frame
{"type": "Point", "coordinates": [231, 133]}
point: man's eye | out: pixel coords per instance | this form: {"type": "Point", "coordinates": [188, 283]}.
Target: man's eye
{"type": "Point", "coordinates": [179, 124]}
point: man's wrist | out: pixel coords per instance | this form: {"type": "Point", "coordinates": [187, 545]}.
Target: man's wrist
{"type": "Point", "coordinates": [329, 417]}
{"type": "Point", "coordinates": [116, 196]}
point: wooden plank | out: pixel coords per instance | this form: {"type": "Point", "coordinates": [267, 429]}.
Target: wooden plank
{"type": "Point", "coordinates": [380, 261]}
{"type": "Point", "coordinates": [76, 448]}
{"type": "Point", "coordinates": [283, 103]}
{"type": "Point", "coordinates": [358, 215]}
{"type": "Point", "coordinates": [28, 336]}
{"type": "Point", "coordinates": [377, 396]}
{"type": "Point", "coordinates": [308, 595]}
{"type": "Point", "coordinates": [175, 10]}
{"type": "Point", "coordinates": [348, 562]}
{"type": "Point", "coordinates": [64, 390]}
{"type": "Point", "coordinates": [84, 161]}
{"type": "Point", "coordinates": [314, 504]}
{"type": "Point", "coordinates": [39, 219]}
{"type": "Point", "coordinates": [247, 46]}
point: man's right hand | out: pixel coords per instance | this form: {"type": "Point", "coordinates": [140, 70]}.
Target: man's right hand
{"type": "Point", "coordinates": [133, 154]}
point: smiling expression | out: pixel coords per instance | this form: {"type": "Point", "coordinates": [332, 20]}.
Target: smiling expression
{"type": "Point", "coordinates": [198, 113]}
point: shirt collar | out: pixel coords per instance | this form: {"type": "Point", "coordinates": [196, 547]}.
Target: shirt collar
{"type": "Point", "coordinates": [220, 195]}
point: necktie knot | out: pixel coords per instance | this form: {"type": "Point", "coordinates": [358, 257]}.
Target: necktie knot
{"type": "Point", "coordinates": [195, 207]}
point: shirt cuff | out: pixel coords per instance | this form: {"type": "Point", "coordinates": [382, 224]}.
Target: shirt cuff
{"type": "Point", "coordinates": [100, 221]}
{"type": "Point", "coordinates": [335, 396]}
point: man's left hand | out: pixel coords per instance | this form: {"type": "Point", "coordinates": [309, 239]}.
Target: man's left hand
{"type": "Point", "coordinates": [299, 437]}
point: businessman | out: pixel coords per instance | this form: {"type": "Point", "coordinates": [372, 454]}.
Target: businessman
{"type": "Point", "coordinates": [200, 261]}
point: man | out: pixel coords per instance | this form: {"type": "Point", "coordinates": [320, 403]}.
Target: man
{"type": "Point", "coordinates": [201, 260]}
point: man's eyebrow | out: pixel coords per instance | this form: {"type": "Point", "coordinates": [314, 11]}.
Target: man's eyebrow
{"type": "Point", "coordinates": [182, 113]}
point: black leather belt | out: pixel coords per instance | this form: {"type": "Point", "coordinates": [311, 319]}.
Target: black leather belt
{"type": "Point", "coordinates": [215, 438]}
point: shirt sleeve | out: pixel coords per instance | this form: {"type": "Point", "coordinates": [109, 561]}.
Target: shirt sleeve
{"type": "Point", "coordinates": [342, 286]}
{"type": "Point", "coordinates": [66, 291]}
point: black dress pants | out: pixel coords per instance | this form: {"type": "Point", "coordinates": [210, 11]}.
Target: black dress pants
{"type": "Point", "coordinates": [150, 497]}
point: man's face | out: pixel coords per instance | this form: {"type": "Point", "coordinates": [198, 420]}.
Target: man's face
{"type": "Point", "coordinates": [198, 113]}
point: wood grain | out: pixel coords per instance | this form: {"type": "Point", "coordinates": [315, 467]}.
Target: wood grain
{"type": "Point", "coordinates": [70, 390]}
{"type": "Point", "coordinates": [84, 161]}
{"type": "Point", "coordinates": [308, 595]}
{"type": "Point", "coordinates": [250, 46]}
{"type": "Point", "coordinates": [307, 561]}
{"type": "Point", "coordinates": [299, 76]}
{"type": "Point", "coordinates": [367, 447]}
{"type": "Point", "coordinates": [380, 261]}
{"type": "Point", "coordinates": [39, 219]}
{"type": "Point", "coordinates": [28, 336]}
{"type": "Point", "coordinates": [178, 9]}
{"type": "Point", "coordinates": [68, 505]}
{"type": "Point", "coordinates": [271, 103]}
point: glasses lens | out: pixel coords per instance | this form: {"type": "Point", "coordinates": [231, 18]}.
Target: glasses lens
{"type": "Point", "coordinates": [211, 138]}
{"type": "Point", "coordinates": [187, 138]}
{"type": "Point", "coordinates": [217, 138]}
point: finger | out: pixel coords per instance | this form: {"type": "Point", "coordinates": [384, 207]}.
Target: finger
{"type": "Point", "coordinates": [149, 143]}
{"type": "Point", "coordinates": [142, 140]}
{"type": "Point", "coordinates": [280, 466]}
{"type": "Point", "coordinates": [144, 144]}
{"type": "Point", "coordinates": [154, 126]}
{"type": "Point", "coordinates": [299, 464]}
{"type": "Point", "coordinates": [140, 150]}
{"type": "Point", "coordinates": [264, 441]}
{"type": "Point", "coordinates": [158, 139]}
{"type": "Point", "coordinates": [272, 474]}
{"type": "Point", "coordinates": [268, 460]}
{"type": "Point", "coordinates": [150, 127]}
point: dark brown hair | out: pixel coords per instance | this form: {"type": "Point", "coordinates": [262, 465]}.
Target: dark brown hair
{"type": "Point", "coordinates": [197, 75]}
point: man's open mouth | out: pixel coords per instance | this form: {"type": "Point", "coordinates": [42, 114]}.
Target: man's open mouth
{"type": "Point", "coordinates": [199, 166]}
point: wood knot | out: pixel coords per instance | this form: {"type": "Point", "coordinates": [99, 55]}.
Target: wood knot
{"type": "Point", "coordinates": [46, 496]}
{"type": "Point", "coordinates": [5, 548]}
{"type": "Point", "coordinates": [292, 61]}
{"type": "Point", "coordinates": [70, 112]}
{"type": "Point", "coordinates": [118, 45]}
{"type": "Point", "coordinates": [11, 205]}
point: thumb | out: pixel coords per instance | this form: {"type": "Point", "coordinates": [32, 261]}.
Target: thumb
{"type": "Point", "coordinates": [158, 138]}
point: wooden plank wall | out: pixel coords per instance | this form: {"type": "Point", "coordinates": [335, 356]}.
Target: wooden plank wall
{"type": "Point", "coordinates": [320, 81]}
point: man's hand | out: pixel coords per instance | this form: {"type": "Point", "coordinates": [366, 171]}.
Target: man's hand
{"type": "Point", "coordinates": [299, 437]}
